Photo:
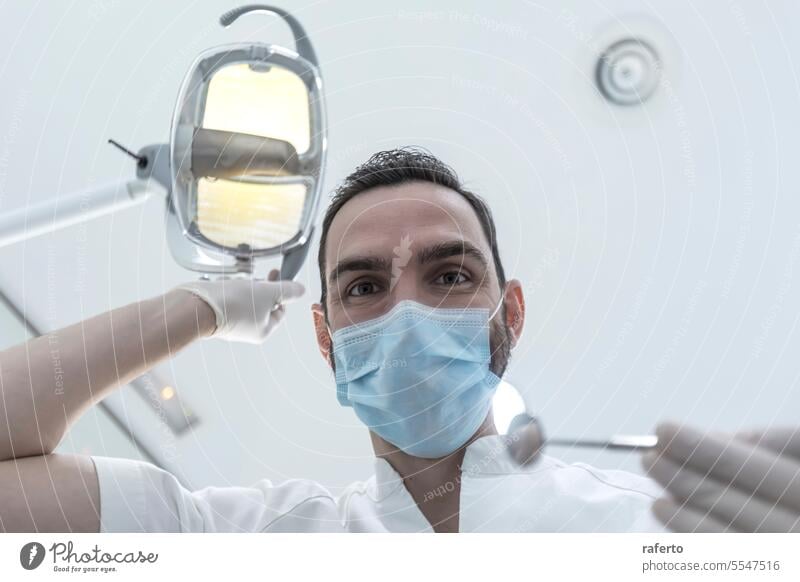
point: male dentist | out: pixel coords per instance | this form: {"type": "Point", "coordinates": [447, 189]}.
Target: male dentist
{"type": "Point", "coordinates": [417, 322]}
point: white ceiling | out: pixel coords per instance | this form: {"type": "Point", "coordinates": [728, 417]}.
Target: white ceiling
{"type": "Point", "coordinates": [658, 246]}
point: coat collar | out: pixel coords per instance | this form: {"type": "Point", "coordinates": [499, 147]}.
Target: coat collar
{"type": "Point", "coordinates": [487, 455]}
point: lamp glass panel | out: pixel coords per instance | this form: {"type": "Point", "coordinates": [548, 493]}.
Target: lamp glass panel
{"type": "Point", "coordinates": [271, 103]}
{"type": "Point", "coordinates": [262, 216]}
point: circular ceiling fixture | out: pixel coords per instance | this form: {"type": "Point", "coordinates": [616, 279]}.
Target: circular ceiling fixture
{"type": "Point", "coordinates": [628, 71]}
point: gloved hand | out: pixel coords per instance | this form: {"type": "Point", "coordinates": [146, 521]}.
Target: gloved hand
{"type": "Point", "coordinates": [246, 310]}
{"type": "Point", "coordinates": [748, 482]}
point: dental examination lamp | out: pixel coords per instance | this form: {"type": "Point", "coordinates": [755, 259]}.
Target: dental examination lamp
{"type": "Point", "coordinates": [242, 174]}
{"type": "Point", "coordinates": [242, 170]}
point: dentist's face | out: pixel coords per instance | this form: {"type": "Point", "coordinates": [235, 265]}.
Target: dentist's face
{"type": "Point", "coordinates": [416, 241]}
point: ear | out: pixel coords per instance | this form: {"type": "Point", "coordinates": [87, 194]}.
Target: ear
{"type": "Point", "coordinates": [323, 337]}
{"type": "Point", "coordinates": [515, 310]}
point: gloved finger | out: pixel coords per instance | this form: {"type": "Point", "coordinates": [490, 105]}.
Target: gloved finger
{"type": "Point", "coordinates": [747, 467]}
{"type": "Point", "coordinates": [277, 315]}
{"type": "Point", "coordinates": [728, 505]}
{"type": "Point", "coordinates": [684, 519]}
{"type": "Point", "coordinates": [783, 440]}
{"type": "Point", "coordinates": [289, 291]}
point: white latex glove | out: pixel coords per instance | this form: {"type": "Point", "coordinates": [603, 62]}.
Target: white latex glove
{"type": "Point", "coordinates": [749, 482]}
{"type": "Point", "coordinates": [247, 310]}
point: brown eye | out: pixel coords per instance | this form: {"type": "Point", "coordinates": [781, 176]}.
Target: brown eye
{"type": "Point", "coordinates": [361, 289]}
{"type": "Point", "coordinates": [452, 278]}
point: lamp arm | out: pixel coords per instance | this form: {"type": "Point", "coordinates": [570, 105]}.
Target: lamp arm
{"type": "Point", "coordinates": [70, 209]}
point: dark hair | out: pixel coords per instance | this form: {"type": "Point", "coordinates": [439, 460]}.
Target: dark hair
{"type": "Point", "coordinates": [399, 166]}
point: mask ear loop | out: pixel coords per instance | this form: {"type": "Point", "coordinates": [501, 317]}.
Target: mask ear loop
{"type": "Point", "coordinates": [499, 305]}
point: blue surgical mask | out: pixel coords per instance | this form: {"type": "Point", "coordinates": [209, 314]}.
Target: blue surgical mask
{"type": "Point", "coordinates": [418, 376]}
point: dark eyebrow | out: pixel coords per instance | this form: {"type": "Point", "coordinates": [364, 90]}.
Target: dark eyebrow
{"type": "Point", "coordinates": [454, 248]}
{"type": "Point", "coordinates": [361, 263]}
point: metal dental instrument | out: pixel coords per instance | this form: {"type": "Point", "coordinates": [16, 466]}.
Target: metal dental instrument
{"type": "Point", "coordinates": [527, 439]}
{"type": "Point", "coordinates": [615, 443]}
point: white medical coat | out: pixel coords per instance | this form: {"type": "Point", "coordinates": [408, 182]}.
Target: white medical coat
{"type": "Point", "coordinates": [496, 496]}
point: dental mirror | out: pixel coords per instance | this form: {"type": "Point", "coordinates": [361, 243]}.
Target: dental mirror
{"type": "Point", "coordinates": [527, 438]}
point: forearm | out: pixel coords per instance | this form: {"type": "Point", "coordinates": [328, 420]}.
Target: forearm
{"type": "Point", "coordinates": [48, 382]}
{"type": "Point", "coordinates": [49, 493]}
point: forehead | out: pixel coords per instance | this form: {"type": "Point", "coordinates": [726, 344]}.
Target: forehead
{"type": "Point", "coordinates": [377, 219]}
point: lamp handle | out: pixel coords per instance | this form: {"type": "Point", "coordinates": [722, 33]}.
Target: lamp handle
{"type": "Point", "coordinates": [301, 40]}
{"type": "Point", "coordinates": [294, 259]}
